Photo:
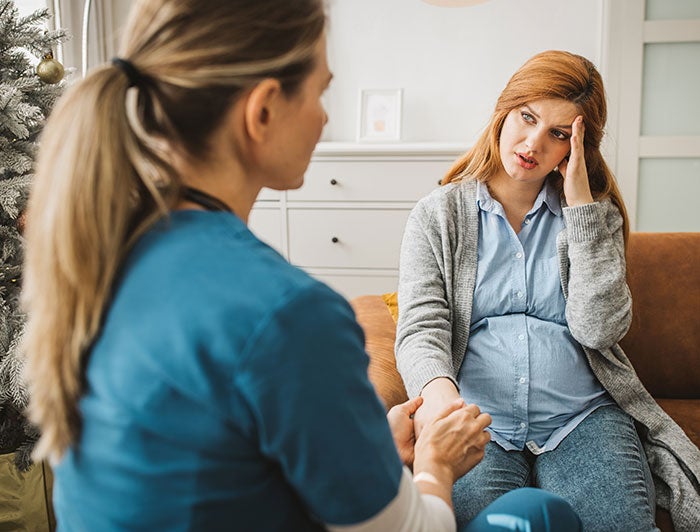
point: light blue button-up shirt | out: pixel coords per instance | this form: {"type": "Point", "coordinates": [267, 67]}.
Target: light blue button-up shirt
{"type": "Point", "coordinates": [522, 365]}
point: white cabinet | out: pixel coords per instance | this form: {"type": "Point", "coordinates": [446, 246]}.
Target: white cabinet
{"type": "Point", "coordinates": [345, 224]}
{"type": "Point", "coordinates": [266, 223]}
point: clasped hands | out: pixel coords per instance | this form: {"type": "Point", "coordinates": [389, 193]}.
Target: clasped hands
{"type": "Point", "coordinates": [452, 442]}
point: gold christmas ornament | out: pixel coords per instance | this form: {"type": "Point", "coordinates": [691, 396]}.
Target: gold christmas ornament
{"type": "Point", "coordinates": [49, 70]}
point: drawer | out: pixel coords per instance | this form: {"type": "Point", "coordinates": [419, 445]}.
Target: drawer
{"type": "Point", "coordinates": [352, 286]}
{"type": "Point", "coordinates": [369, 180]}
{"type": "Point", "coordinates": [266, 224]}
{"type": "Point", "coordinates": [346, 238]}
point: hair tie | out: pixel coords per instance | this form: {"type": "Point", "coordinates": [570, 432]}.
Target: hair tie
{"type": "Point", "coordinates": [135, 77]}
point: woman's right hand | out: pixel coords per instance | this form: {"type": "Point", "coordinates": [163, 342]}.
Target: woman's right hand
{"type": "Point", "coordinates": [449, 446]}
{"type": "Point", "coordinates": [437, 394]}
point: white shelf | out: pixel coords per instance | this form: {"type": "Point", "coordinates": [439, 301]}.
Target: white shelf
{"type": "Point", "coordinates": [394, 148]}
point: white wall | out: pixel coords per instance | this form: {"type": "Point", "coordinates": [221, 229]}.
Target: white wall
{"type": "Point", "coordinates": [451, 62]}
{"type": "Point", "coordinates": [107, 18]}
{"type": "Point", "coordinates": [27, 7]}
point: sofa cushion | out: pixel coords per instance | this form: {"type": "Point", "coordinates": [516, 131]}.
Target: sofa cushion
{"type": "Point", "coordinates": [664, 338]}
{"type": "Point", "coordinates": [392, 303]}
{"type": "Point", "coordinates": [685, 412]}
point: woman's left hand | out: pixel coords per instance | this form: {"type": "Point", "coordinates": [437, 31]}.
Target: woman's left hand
{"type": "Point", "coordinates": [400, 419]}
{"type": "Point", "coordinates": [577, 189]}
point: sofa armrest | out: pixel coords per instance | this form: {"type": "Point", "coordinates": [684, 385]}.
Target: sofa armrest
{"type": "Point", "coordinates": [380, 334]}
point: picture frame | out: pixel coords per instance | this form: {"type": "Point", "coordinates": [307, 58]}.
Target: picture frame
{"type": "Point", "coordinates": [380, 115]}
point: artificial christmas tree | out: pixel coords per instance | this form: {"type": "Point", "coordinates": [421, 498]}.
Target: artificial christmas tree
{"type": "Point", "coordinates": [27, 93]}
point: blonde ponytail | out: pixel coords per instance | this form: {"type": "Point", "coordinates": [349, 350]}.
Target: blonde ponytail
{"type": "Point", "coordinates": [104, 172]}
{"type": "Point", "coordinates": [81, 206]}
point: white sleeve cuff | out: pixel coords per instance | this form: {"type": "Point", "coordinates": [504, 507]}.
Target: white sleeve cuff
{"type": "Point", "coordinates": [409, 511]}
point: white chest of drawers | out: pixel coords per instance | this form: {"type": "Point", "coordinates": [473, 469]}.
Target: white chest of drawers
{"type": "Point", "coordinates": [345, 224]}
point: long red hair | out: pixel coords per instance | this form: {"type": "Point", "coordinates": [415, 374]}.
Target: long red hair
{"type": "Point", "coordinates": [549, 75]}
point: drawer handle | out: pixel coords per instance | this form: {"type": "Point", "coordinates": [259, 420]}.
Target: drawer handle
{"type": "Point", "coordinates": [335, 240]}
{"type": "Point", "coordinates": [334, 182]}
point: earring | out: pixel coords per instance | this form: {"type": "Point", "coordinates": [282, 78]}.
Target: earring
{"type": "Point", "coordinates": [556, 169]}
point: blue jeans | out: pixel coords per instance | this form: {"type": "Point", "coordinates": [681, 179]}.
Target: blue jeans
{"type": "Point", "coordinates": [599, 468]}
{"type": "Point", "coordinates": [526, 510]}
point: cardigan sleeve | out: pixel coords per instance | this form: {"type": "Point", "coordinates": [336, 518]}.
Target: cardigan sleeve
{"type": "Point", "coordinates": [599, 304]}
{"type": "Point", "coordinates": [424, 330]}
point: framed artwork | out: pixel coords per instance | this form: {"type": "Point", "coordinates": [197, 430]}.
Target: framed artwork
{"type": "Point", "coordinates": [379, 115]}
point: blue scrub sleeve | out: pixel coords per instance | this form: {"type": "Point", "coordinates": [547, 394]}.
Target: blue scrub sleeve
{"type": "Point", "coordinates": [317, 414]}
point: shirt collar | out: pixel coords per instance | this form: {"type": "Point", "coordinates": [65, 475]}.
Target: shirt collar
{"type": "Point", "coordinates": [547, 195]}
{"type": "Point", "coordinates": [483, 197]}
{"type": "Point", "coordinates": [551, 198]}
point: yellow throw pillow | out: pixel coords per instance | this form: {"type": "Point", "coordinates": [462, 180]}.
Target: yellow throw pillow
{"type": "Point", "coordinates": [392, 304]}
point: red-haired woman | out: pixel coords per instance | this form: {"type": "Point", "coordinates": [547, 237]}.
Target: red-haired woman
{"type": "Point", "coordinates": [513, 294]}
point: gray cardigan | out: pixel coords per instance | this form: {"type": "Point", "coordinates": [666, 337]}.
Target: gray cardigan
{"type": "Point", "coordinates": [436, 287]}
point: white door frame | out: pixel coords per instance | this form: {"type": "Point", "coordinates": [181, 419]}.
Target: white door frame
{"type": "Point", "coordinates": [625, 33]}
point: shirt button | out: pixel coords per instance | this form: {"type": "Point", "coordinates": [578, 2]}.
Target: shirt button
{"type": "Point", "coordinates": [523, 425]}
{"type": "Point", "coordinates": [522, 380]}
{"type": "Point", "coordinates": [518, 255]}
{"type": "Point", "coordinates": [521, 337]}
{"type": "Point", "coordinates": [527, 220]}
{"type": "Point", "coordinates": [519, 294]}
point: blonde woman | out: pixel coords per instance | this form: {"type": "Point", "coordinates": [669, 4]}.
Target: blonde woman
{"type": "Point", "coordinates": [513, 295]}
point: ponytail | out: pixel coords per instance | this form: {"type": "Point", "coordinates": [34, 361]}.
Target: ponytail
{"type": "Point", "coordinates": [84, 203]}
{"type": "Point", "coordinates": [105, 172]}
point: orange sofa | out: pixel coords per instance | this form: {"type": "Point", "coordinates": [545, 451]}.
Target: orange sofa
{"type": "Point", "coordinates": [663, 342]}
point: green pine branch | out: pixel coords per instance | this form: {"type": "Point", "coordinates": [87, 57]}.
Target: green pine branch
{"type": "Point", "coordinates": [25, 102]}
